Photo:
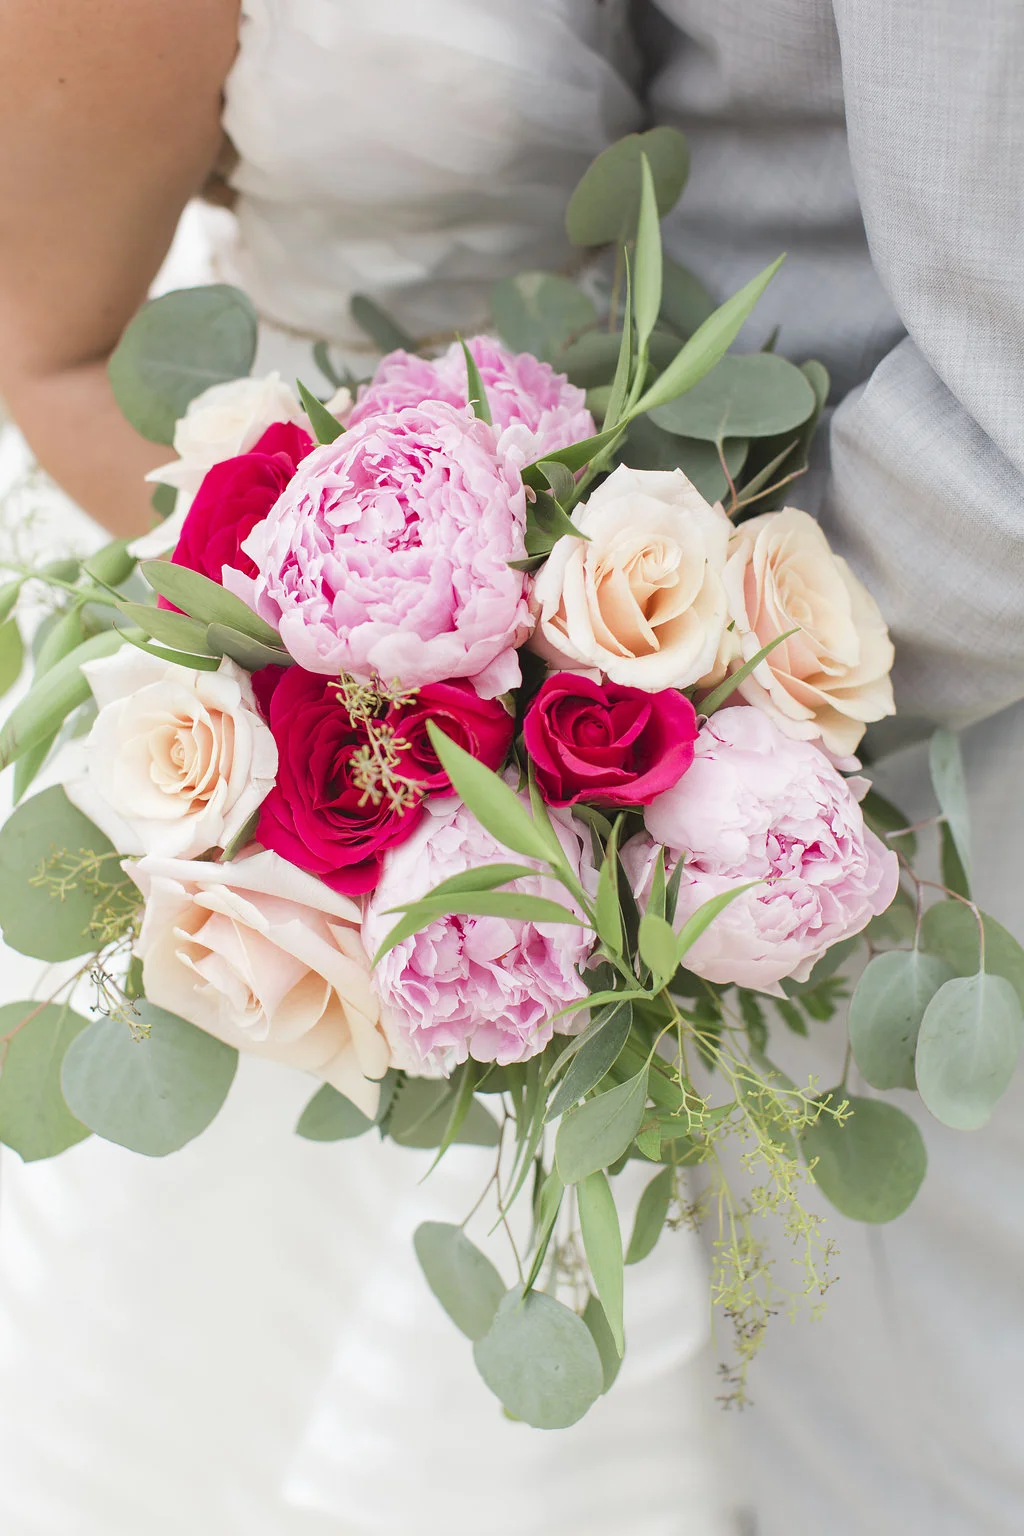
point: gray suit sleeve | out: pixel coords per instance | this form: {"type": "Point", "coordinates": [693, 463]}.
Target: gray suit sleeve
{"type": "Point", "coordinates": [926, 493]}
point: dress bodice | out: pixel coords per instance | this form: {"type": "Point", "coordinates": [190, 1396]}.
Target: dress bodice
{"type": "Point", "coordinates": [413, 151]}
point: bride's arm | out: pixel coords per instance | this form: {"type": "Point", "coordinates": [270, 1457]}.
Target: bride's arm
{"type": "Point", "coordinates": [109, 122]}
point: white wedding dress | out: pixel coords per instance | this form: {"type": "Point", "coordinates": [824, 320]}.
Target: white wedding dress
{"type": "Point", "coordinates": [237, 1341]}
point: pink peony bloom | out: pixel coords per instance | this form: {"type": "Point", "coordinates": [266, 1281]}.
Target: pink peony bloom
{"type": "Point", "coordinates": [484, 987]}
{"type": "Point", "coordinates": [388, 554]}
{"type": "Point", "coordinates": [520, 389]}
{"type": "Point", "coordinates": [756, 805]}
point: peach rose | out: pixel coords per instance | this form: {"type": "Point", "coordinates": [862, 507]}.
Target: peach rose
{"type": "Point", "coordinates": [266, 958]}
{"type": "Point", "coordinates": [642, 597]}
{"type": "Point", "coordinates": [832, 677]}
{"type": "Point", "coordinates": [176, 761]}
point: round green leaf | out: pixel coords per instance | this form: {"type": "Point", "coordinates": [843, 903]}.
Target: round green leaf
{"type": "Point", "coordinates": [176, 347]}
{"type": "Point", "coordinates": [329, 1116]}
{"type": "Point", "coordinates": [34, 1118]}
{"type": "Point", "coordinates": [758, 395]}
{"type": "Point", "coordinates": [648, 447]}
{"type": "Point", "coordinates": [36, 919]}
{"type": "Point", "coordinates": [462, 1278]}
{"type": "Point", "coordinates": [540, 1359]}
{"type": "Point", "coordinates": [540, 312]}
{"type": "Point", "coordinates": [606, 204]}
{"type": "Point", "coordinates": [422, 1107]}
{"type": "Point", "coordinates": [968, 1048]}
{"type": "Point", "coordinates": [871, 1167]}
{"type": "Point", "coordinates": [153, 1094]}
{"type": "Point", "coordinates": [950, 930]}
{"type": "Point", "coordinates": [886, 1012]}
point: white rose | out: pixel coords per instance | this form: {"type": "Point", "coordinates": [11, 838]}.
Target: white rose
{"type": "Point", "coordinates": [176, 761]}
{"type": "Point", "coordinates": [826, 682]}
{"type": "Point", "coordinates": [222, 422]}
{"type": "Point", "coordinates": [268, 959]}
{"type": "Point", "coordinates": [643, 600]}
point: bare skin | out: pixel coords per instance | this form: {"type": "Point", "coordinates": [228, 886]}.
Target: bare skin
{"type": "Point", "coordinates": [110, 121]}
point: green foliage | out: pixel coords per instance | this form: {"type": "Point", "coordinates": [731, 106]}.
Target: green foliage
{"type": "Point", "coordinates": [51, 699]}
{"type": "Point", "coordinates": [10, 591]}
{"type": "Point", "coordinates": [421, 1111]}
{"type": "Point", "coordinates": [968, 1048]}
{"type": "Point", "coordinates": [462, 1278]}
{"type": "Point", "coordinates": [647, 262]}
{"type": "Point", "coordinates": [757, 395]}
{"type": "Point", "coordinates": [540, 1360]}
{"type": "Point", "coordinates": [329, 1116]}
{"type": "Point", "coordinates": [497, 807]}
{"type": "Point", "coordinates": [379, 326]}
{"type": "Point", "coordinates": [476, 393]}
{"type": "Point", "coordinates": [176, 630]}
{"type": "Point", "coordinates": [951, 931]}
{"type": "Point", "coordinates": [540, 312]}
{"type": "Point", "coordinates": [34, 1119]}
{"type": "Point", "coordinates": [326, 428]}
{"type": "Point", "coordinates": [596, 1320]}
{"type": "Point", "coordinates": [594, 1059]}
{"type": "Point", "coordinates": [151, 1091]}
{"type": "Point", "coordinates": [602, 1242]}
{"type": "Point", "coordinates": [242, 648]}
{"type": "Point", "coordinates": [205, 600]}
{"type": "Point", "coordinates": [871, 1166]}
{"type": "Point", "coordinates": [12, 655]}
{"type": "Point", "coordinates": [651, 1215]}
{"type": "Point", "coordinates": [685, 302]}
{"type": "Point", "coordinates": [726, 689]}
{"type": "Point", "coordinates": [947, 770]}
{"type": "Point", "coordinates": [648, 447]}
{"type": "Point", "coordinates": [595, 1135]}
{"type": "Point", "coordinates": [176, 347]}
{"type": "Point", "coordinates": [886, 1012]}
{"type": "Point", "coordinates": [605, 206]}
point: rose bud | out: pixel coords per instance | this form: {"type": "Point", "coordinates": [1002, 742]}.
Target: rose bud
{"type": "Point", "coordinates": [605, 743]}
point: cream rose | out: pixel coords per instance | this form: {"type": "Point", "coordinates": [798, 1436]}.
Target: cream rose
{"type": "Point", "coordinates": [176, 761]}
{"type": "Point", "coordinates": [832, 677]}
{"type": "Point", "coordinates": [268, 959]}
{"type": "Point", "coordinates": [643, 600]}
{"type": "Point", "coordinates": [225, 420]}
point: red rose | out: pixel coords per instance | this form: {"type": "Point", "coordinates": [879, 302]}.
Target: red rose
{"type": "Point", "coordinates": [482, 727]}
{"type": "Point", "coordinates": [236, 495]}
{"type": "Point", "coordinates": [316, 816]}
{"type": "Point", "coordinates": [607, 744]}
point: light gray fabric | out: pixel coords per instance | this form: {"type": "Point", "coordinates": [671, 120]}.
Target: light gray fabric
{"type": "Point", "coordinates": [901, 1412]}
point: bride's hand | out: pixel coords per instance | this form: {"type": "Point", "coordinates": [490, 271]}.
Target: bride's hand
{"type": "Point", "coordinates": [109, 121]}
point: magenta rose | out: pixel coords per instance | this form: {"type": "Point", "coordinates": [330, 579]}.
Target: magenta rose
{"type": "Point", "coordinates": [481, 727]}
{"type": "Point", "coordinates": [235, 495]}
{"type": "Point", "coordinates": [520, 390]}
{"type": "Point", "coordinates": [605, 743]}
{"type": "Point", "coordinates": [316, 816]}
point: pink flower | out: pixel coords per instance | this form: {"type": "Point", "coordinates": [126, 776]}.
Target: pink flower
{"type": "Point", "coordinates": [484, 987]}
{"type": "Point", "coordinates": [519, 389]}
{"type": "Point", "coordinates": [757, 806]}
{"type": "Point", "coordinates": [388, 554]}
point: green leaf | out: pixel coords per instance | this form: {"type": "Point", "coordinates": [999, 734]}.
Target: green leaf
{"type": "Point", "coordinates": [51, 699]}
{"type": "Point", "coordinates": [954, 876]}
{"type": "Point", "coordinates": [548, 1206]}
{"type": "Point", "coordinates": [540, 1360]}
{"type": "Point", "coordinates": [476, 393]}
{"type": "Point", "coordinates": [651, 1215]}
{"type": "Point", "coordinates": [326, 428]}
{"type": "Point", "coordinates": [708, 345]}
{"type": "Point", "coordinates": [950, 930]}
{"type": "Point", "coordinates": [163, 501]}
{"type": "Point", "coordinates": [35, 919]}
{"type": "Point", "coordinates": [596, 1320]}
{"type": "Point", "coordinates": [176, 347]}
{"type": "Point", "coordinates": [136, 638]}
{"type": "Point", "coordinates": [204, 599]}
{"type": "Point", "coordinates": [947, 770]}
{"type": "Point", "coordinates": [605, 206]}
{"type": "Point", "coordinates": [462, 1278]}
{"type": "Point", "coordinates": [242, 648]}
{"type": "Point", "coordinates": [540, 312]}
{"type": "Point", "coordinates": [604, 1044]}
{"type": "Point", "coordinates": [621, 380]}
{"type": "Point", "coordinates": [884, 818]}
{"type": "Point", "coordinates": [753, 1021]}
{"type": "Point", "coordinates": [706, 914]}
{"type": "Point", "coordinates": [112, 564]}
{"type": "Point", "coordinates": [497, 807]}
{"type": "Point", "coordinates": [461, 1103]}
{"type": "Point", "coordinates": [871, 1167]}
{"type": "Point", "coordinates": [12, 655]}
{"type": "Point", "coordinates": [174, 629]}
{"type": "Point", "coordinates": [577, 455]}
{"type": "Point", "coordinates": [34, 1119]}
{"type": "Point", "coordinates": [153, 1094]}
{"type": "Point", "coordinates": [28, 766]}
{"type": "Point", "coordinates": [607, 911]}
{"type": "Point", "coordinates": [512, 905]}
{"type": "Point", "coordinates": [592, 358]}
{"type": "Point", "coordinates": [379, 326]}
{"type": "Point", "coordinates": [329, 1116]}
{"type": "Point", "coordinates": [725, 690]}
{"type": "Point", "coordinates": [886, 1012]}
{"type": "Point", "coordinates": [756, 395]}
{"type": "Point", "coordinates": [487, 878]}
{"type": "Point", "coordinates": [9, 594]}
{"type": "Point", "coordinates": [659, 947]}
{"type": "Point", "coordinates": [658, 892]}
{"type": "Point", "coordinates": [648, 447]}
{"type": "Point", "coordinates": [602, 1242]}
{"type": "Point", "coordinates": [597, 1133]}
{"type": "Point", "coordinates": [685, 302]}
{"type": "Point", "coordinates": [546, 523]}
{"type": "Point", "coordinates": [421, 1111]}
{"type": "Point", "coordinates": [968, 1048]}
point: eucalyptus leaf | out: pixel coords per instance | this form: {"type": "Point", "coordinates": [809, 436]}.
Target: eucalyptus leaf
{"type": "Point", "coordinates": [204, 599]}
{"type": "Point", "coordinates": [596, 1320]}
{"type": "Point", "coordinates": [595, 1058]}
{"type": "Point", "coordinates": [51, 699]}
{"type": "Point", "coordinates": [136, 638]}
{"type": "Point", "coordinates": [884, 818]}
{"type": "Point", "coordinates": [968, 1048]}
{"type": "Point", "coordinates": [596, 1134]}
{"type": "Point", "coordinates": [647, 262]}
{"type": "Point", "coordinates": [37, 918]}
{"type": "Point", "coordinates": [651, 1215]}
{"type": "Point", "coordinates": [326, 428]}
{"type": "Point", "coordinates": [886, 1012]}
{"type": "Point", "coordinates": [176, 347]}
{"type": "Point", "coordinates": [591, 359]}
{"type": "Point", "coordinates": [251, 654]}
{"type": "Point", "coordinates": [954, 876]}
{"type": "Point", "coordinates": [607, 912]}
{"type": "Point", "coordinates": [758, 395]}
{"type": "Point", "coordinates": [602, 1243]}
{"type": "Point", "coordinates": [462, 1278]}
{"type": "Point", "coordinates": [540, 312]}
{"type": "Point", "coordinates": [174, 629]}
{"type": "Point", "coordinates": [648, 447]}
{"type": "Point", "coordinates": [870, 1167]}
{"type": "Point", "coordinates": [329, 1116]}
{"type": "Point", "coordinates": [151, 1094]}
{"type": "Point", "coordinates": [950, 931]}
{"type": "Point", "coordinates": [379, 326]}
{"type": "Point", "coordinates": [605, 206]}
{"type": "Point", "coordinates": [497, 807]}
{"type": "Point", "coordinates": [685, 302]}
{"type": "Point", "coordinates": [486, 878]}
{"type": "Point", "coordinates": [945, 762]}
{"type": "Point", "coordinates": [549, 1203]}
{"type": "Point", "coordinates": [420, 1113]}
{"type": "Point", "coordinates": [540, 1360]}
{"type": "Point", "coordinates": [659, 947]}
{"type": "Point", "coordinates": [28, 766]}
{"type": "Point", "coordinates": [34, 1119]}
{"type": "Point", "coordinates": [12, 655]}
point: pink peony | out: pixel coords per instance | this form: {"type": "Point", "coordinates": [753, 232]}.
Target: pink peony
{"type": "Point", "coordinates": [519, 389]}
{"type": "Point", "coordinates": [484, 987]}
{"type": "Point", "coordinates": [388, 554]}
{"type": "Point", "coordinates": [757, 806]}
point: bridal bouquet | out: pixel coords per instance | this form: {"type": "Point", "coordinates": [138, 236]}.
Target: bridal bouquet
{"type": "Point", "coordinates": [480, 740]}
